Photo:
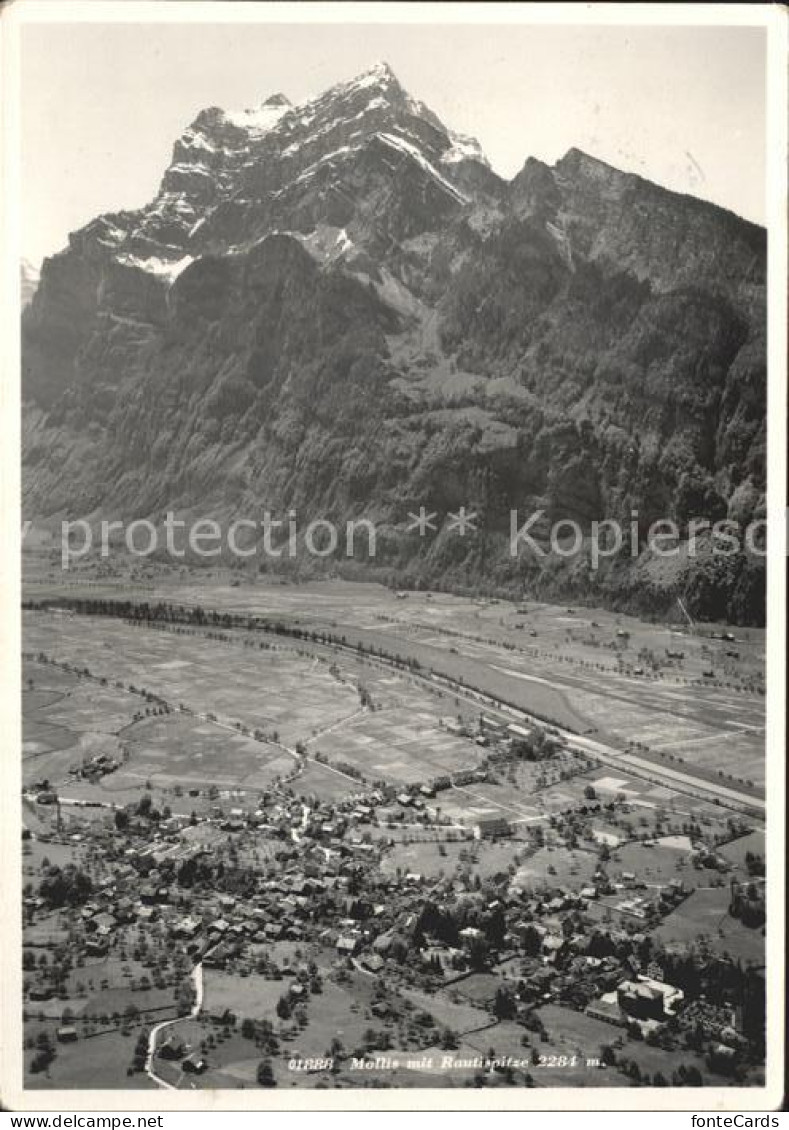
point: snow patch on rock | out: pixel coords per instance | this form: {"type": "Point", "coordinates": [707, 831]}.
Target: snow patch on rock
{"type": "Point", "coordinates": [463, 148]}
{"type": "Point", "coordinates": [167, 269]}
{"type": "Point", "coordinates": [404, 146]}
{"type": "Point", "coordinates": [260, 121]}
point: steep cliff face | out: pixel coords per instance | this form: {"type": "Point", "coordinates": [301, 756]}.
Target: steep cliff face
{"type": "Point", "coordinates": [339, 307]}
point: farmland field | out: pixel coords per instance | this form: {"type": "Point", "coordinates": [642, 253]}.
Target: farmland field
{"type": "Point", "coordinates": [68, 719]}
{"type": "Point", "coordinates": [286, 694]}
{"type": "Point", "coordinates": [557, 866]}
{"type": "Point", "coordinates": [106, 1056]}
{"type": "Point", "coordinates": [736, 850]}
{"type": "Point", "coordinates": [254, 996]}
{"type": "Point", "coordinates": [576, 666]}
{"type": "Point", "coordinates": [706, 912]}
{"type": "Point", "coordinates": [426, 858]}
{"type": "Point", "coordinates": [399, 745]}
{"type": "Point", "coordinates": [575, 1033]}
{"type": "Point", "coordinates": [265, 689]}
{"type": "Point", "coordinates": [196, 752]}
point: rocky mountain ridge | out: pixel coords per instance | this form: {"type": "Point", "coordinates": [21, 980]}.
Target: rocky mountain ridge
{"type": "Point", "coordinates": [340, 307]}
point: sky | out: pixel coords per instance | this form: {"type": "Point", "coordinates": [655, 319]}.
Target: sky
{"type": "Point", "coordinates": [102, 104]}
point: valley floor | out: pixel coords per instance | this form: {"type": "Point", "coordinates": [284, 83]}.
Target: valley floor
{"type": "Point", "coordinates": [421, 888]}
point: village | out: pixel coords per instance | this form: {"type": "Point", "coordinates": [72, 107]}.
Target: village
{"type": "Point", "coordinates": [222, 938]}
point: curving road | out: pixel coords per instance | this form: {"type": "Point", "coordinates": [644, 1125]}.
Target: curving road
{"type": "Point", "coordinates": [197, 980]}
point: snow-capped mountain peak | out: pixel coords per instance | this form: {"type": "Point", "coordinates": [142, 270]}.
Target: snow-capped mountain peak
{"type": "Point", "coordinates": [338, 302]}
{"type": "Point", "coordinates": [259, 121]}
{"type": "Point", "coordinates": [236, 174]}
{"type": "Point", "coordinates": [379, 74]}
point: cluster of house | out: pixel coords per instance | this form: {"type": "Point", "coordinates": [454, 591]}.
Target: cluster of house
{"type": "Point", "coordinates": [645, 906]}
{"type": "Point", "coordinates": [643, 999]}
{"type": "Point", "coordinates": [99, 766]}
{"type": "Point", "coordinates": [488, 729]}
{"type": "Point", "coordinates": [324, 852]}
{"type": "Point", "coordinates": [174, 1048]}
{"type": "Point", "coordinates": [327, 888]}
{"type": "Point", "coordinates": [647, 1002]}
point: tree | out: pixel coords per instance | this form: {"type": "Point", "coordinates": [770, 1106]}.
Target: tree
{"type": "Point", "coordinates": [504, 1004]}
{"type": "Point", "coordinates": [265, 1074]}
{"type": "Point", "coordinates": [449, 1040]}
{"type": "Point", "coordinates": [41, 1061]}
{"type": "Point", "coordinates": [607, 1055]}
{"type": "Point", "coordinates": [479, 952]}
{"type": "Point", "coordinates": [531, 940]}
{"type": "Point", "coordinates": [67, 887]}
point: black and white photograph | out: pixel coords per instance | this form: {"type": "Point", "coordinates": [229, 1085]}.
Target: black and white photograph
{"type": "Point", "coordinates": [393, 642]}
